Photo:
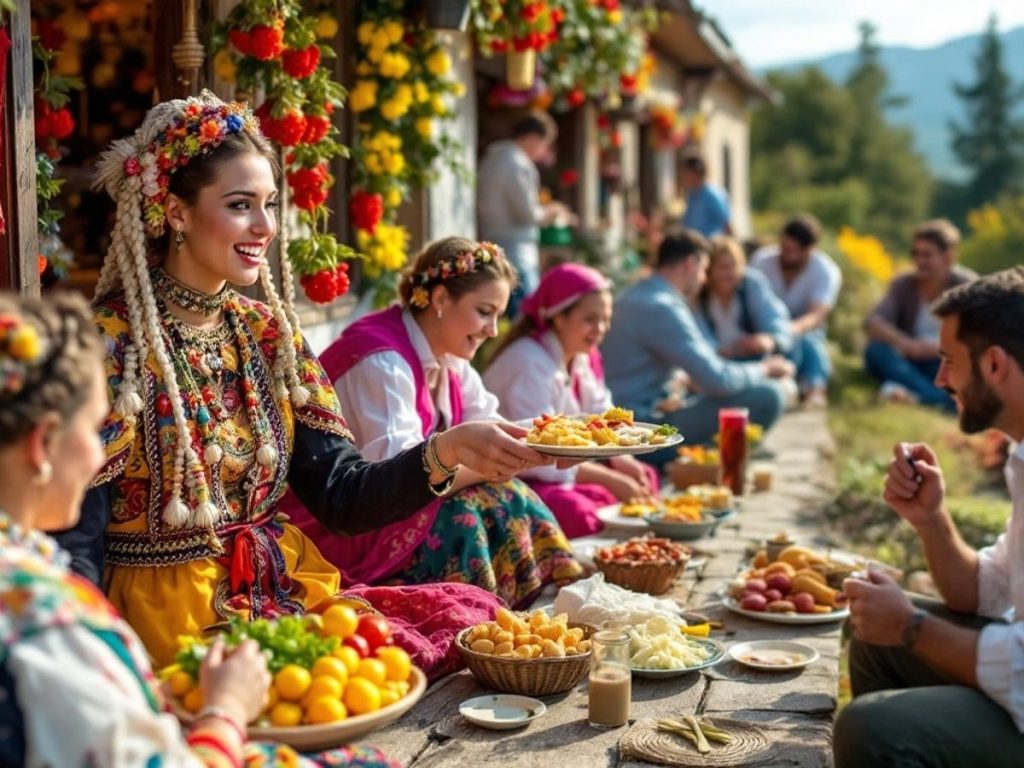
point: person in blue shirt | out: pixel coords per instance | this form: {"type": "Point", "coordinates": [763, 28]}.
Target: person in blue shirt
{"type": "Point", "coordinates": [655, 334]}
{"type": "Point", "coordinates": [737, 310]}
{"type": "Point", "coordinates": [707, 205]}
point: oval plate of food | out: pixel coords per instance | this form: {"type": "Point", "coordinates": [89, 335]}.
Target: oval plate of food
{"type": "Point", "coordinates": [773, 655]}
{"type": "Point", "coordinates": [717, 654]}
{"type": "Point", "coordinates": [599, 436]}
{"type": "Point", "coordinates": [836, 614]}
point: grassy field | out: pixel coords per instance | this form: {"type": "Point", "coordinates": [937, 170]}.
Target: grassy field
{"type": "Point", "coordinates": [865, 431]}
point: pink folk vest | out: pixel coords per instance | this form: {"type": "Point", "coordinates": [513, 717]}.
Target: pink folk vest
{"type": "Point", "coordinates": [368, 558]}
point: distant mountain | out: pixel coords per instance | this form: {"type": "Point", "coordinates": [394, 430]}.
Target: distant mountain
{"type": "Point", "coordinates": [925, 76]}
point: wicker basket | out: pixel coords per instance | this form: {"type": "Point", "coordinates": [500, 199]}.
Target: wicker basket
{"type": "Point", "coordinates": [527, 677]}
{"type": "Point", "coordinates": [652, 578]}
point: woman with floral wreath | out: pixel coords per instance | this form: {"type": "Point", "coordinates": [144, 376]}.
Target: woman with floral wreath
{"type": "Point", "coordinates": [404, 375]}
{"type": "Point", "coordinates": [219, 406]}
{"type": "Point", "coordinates": [76, 686]}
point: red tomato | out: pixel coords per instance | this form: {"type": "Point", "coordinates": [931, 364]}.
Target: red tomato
{"type": "Point", "coordinates": [375, 630]}
{"type": "Point", "coordinates": [358, 642]}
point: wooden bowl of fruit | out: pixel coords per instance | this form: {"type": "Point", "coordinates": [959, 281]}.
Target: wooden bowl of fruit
{"type": "Point", "coordinates": [335, 677]}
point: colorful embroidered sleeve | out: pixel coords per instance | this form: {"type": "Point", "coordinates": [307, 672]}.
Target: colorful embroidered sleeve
{"type": "Point", "coordinates": [118, 433]}
{"type": "Point", "coordinates": [323, 411]}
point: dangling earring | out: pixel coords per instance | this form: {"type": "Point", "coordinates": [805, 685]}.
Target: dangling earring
{"type": "Point", "coordinates": [440, 314]}
{"type": "Point", "coordinates": [44, 474]}
{"type": "Point", "coordinates": [179, 238]}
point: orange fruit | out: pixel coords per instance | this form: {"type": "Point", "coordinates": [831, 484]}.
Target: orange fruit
{"type": "Point", "coordinates": [325, 709]}
{"type": "Point", "coordinates": [285, 714]}
{"type": "Point", "coordinates": [340, 621]}
{"type": "Point", "coordinates": [292, 682]}
{"type": "Point", "coordinates": [330, 666]}
{"type": "Point", "coordinates": [193, 700]}
{"type": "Point", "coordinates": [388, 696]}
{"type": "Point", "coordinates": [180, 683]}
{"type": "Point", "coordinates": [350, 656]}
{"type": "Point", "coordinates": [373, 670]}
{"type": "Point", "coordinates": [396, 661]}
{"type": "Point", "coordinates": [272, 699]}
{"type": "Point", "coordinates": [323, 685]}
{"type": "Point", "coordinates": [361, 696]}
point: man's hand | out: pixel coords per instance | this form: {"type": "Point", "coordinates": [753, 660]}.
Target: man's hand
{"type": "Point", "coordinates": [879, 608]}
{"type": "Point", "coordinates": [914, 486]}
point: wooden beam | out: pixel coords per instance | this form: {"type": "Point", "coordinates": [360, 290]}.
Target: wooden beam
{"type": "Point", "coordinates": [21, 243]}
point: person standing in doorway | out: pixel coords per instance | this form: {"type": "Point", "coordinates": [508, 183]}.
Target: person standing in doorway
{"type": "Point", "coordinates": [508, 207]}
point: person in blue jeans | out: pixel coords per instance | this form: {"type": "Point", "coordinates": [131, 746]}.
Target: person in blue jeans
{"type": "Point", "coordinates": [903, 352]}
{"type": "Point", "coordinates": [808, 282]}
{"type": "Point", "coordinates": [707, 205]}
{"type": "Point", "coordinates": [655, 335]}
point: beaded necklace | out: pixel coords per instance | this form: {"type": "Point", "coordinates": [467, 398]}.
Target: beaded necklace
{"type": "Point", "coordinates": [12, 534]}
{"type": "Point", "coordinates": [181, 295]}
{"type": "Point", "coordinates": [193, 349]}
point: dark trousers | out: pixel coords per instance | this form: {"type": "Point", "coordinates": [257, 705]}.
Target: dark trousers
{"type": "Point", "coordinates": [907, 714]}
{"type": "Point", "coordinates": [886, 364]}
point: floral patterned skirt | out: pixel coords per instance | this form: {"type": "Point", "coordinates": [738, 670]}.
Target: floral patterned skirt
{"type": "Point", "coordinates": [500, 537]}
{"type": "Point", "coordinates": [260, 754]}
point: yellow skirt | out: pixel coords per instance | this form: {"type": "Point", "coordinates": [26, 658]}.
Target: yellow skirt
{"type": "Point", "coordinates": [164, 603]}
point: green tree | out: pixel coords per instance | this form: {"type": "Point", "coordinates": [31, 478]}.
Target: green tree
{"type": "Point", "coordinates": [991, 141]}
{"type": "Point", "coordinates": [828, 148]}
{"type": "Point", "coordinates": [882, 155]}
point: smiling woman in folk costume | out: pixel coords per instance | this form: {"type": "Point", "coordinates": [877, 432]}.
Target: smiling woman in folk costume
{"type": "Point", "coordinates": [66, 657]}
{"type": "Point", "coordinates": [549, 363]}
{"type": "Point", "coordinates": [403, 374]}
{"type": "Point", "coordinates": [219, 405]}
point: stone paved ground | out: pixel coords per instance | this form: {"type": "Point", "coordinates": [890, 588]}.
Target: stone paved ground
{"type": "Point", "coordinates": [796, 708]}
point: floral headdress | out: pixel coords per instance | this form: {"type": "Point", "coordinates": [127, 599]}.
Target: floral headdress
{"type": "Point", "coordinates": [20, 348]}
{"type": "Point", "coordinates": [202, 127]}
{"type": "Point", "coordinates": [460, 264]}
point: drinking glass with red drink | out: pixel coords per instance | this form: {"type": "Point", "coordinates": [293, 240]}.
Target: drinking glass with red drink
{"type": "Point", "coordinates": [732, 444]}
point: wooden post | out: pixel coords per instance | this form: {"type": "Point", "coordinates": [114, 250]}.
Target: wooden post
{"type": "Point", "coordinates": [19, 268]}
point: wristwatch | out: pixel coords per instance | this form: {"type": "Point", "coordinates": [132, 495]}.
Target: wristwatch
{"type": "Point", "coordinates": [908, 638]}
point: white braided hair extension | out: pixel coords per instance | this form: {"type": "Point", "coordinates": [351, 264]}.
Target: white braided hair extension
{"type": "Point", "coordinates": [129, 247]}
{"type": "Point", "coordinates": [286, 365]}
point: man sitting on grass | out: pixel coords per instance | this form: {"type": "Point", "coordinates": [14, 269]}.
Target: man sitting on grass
{"type": "Point", "coordinates": [904, 350]}
{"type": "Point", "coordinates": [942, 683]}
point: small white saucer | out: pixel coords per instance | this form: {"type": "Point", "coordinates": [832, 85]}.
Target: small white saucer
{"type": "Point", "coordinates": [502, 712]}
{"type": "Point", "coordinates": [773, 655]}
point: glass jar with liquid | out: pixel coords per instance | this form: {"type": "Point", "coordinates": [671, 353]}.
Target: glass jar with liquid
{"type": "Point", "coordinates": [610, 679]}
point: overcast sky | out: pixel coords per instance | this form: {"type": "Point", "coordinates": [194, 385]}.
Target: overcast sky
{"type": "Point", "coordinates": [766, 32]}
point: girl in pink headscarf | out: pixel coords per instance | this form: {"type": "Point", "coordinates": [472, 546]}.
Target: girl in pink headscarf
{"type": "Point", "coordinates": [549, 363]}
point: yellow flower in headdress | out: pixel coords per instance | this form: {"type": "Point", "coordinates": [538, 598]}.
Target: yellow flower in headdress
{"type": "Point", "coordinates": [23, 343]}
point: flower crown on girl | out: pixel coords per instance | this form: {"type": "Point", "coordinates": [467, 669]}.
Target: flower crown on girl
{"type": "Point", "coordinates": [20, 348]}
{"type": "Point", "coordinates": [460, 264]}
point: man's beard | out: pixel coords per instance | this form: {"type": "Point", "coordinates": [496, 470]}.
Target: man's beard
{"type": "Point", "coordinates": [980, 406]}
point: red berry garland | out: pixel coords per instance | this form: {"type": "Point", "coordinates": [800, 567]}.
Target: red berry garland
{"type": "Point", "coordinates": [301, 64]}
{"type": "Point", "coordinates": [366, 210]}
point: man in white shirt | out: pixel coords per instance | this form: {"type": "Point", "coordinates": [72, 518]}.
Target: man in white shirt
{"type": "Point", "coordinates": [945, 686]}
{"type": "Point", "coordinates": [808, 282]}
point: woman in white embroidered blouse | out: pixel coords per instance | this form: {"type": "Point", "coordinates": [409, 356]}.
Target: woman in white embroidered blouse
{"type": "Point", "coordinates": [403, 374]}
{"type": "Point", "coordinates": [550, 364]}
